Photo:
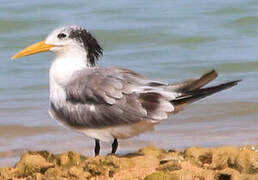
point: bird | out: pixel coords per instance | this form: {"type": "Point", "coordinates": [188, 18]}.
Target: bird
{"type": "Point", "coordinates": [109, 103]}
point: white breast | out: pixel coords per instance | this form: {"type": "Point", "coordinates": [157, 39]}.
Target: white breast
{"type": "Point", "coordinates": [60, 74]}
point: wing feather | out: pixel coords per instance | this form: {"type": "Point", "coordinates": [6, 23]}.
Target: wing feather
{"type": "Point", "coordinates": [101, 97]}
{"type": "Point", "coordinates": [104, 97]}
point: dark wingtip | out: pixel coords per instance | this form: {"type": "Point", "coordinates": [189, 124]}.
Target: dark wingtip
{"type": "Point", "coordinates": [195, 95]}
{"type": "Point", "coordinates": [236, 81]}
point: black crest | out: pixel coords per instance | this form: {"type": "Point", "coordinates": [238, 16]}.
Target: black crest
{"type": "Point", "coordinates": [89, 42]}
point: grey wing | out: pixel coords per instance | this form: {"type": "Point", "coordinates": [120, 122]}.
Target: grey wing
{"type": "Point", "coordinates": [103, 97]}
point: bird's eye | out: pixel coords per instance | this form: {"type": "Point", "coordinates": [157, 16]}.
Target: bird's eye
{"type": "Point", "coordinates": [61, 35]}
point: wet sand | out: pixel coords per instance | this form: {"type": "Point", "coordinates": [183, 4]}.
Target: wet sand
{"type": "Point", "coordinates": [148, 163]}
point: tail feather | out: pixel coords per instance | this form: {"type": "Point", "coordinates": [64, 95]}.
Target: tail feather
{"type": "Point", "coordinates": [194, 84]}
{"type": "Point", "coordinates": [196, 94]}
{"type": "Point", "coordinates": [205, 79]}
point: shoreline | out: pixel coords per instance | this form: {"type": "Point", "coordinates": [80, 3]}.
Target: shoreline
{"type": "Point", "coordinates": [148, 163]}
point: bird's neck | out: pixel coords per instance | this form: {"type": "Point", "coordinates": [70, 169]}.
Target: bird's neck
{"type": "Point", "coordinates": [64, 66]}
{"type": "Point", "coordinates": [60, 74]}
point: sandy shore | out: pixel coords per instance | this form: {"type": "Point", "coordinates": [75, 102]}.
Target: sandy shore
{"type": "Point", "coordinates": [149, 163]}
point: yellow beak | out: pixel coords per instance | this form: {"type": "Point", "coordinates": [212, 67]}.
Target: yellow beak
{"type": "Point", "coordinates": [33, 49]}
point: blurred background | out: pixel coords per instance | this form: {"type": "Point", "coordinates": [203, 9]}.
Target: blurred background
{"type": "Point", "coordinates": [165, 40]}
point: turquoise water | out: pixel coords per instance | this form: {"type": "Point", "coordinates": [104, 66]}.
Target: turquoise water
{"type": "Point", "coordinates": [166, 40]}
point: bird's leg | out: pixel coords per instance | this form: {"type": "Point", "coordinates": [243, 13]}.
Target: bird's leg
{"type": "Point", "coordinates": [114, 146]}
{"type": "Point", "coordinates": [97, 147]}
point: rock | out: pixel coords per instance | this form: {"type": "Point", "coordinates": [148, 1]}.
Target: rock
{"type": "Point", "coordinates": [198, 155]}
{"type": "Point", "coordinates": [76, 172]}
{"type": "Point", "coordinates": [222, 156]}
{"type": "Point", "coordinates": [151, 151]}
{"type": "Point", "coordinates": [102, 165]}
{"type": "Point", "coordinates": [147, 156]}
{"type": "Point", "coordinates": [69, 159]}
{"type": "Point", "coordinates": [245, 161]}
{"type": "Point", "coordinates": [172, 165]}
{"type": "Point", "coordinates": [186, 175]}
{"type": "Point", "coordinates": [6, 173]}
{"type": "Point", "coordinates": [30, 164]}
{"type": "Point", "coordinates": [148, 163]}
{"type": "Point", "coordinates": [54, 173]}
{"type": "Point", "coordinates": [171, 156]}
{"type": "Point", "coordinates": [228, 174]}
{"type": "Point", "coordinates": [161, 175]}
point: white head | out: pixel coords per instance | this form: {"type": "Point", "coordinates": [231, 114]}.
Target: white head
{"type": "Point", "coordinates": [68, 41]}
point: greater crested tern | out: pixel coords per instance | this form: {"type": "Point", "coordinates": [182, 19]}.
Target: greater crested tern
{"type": "Point", "coordinates": [109, 103]}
